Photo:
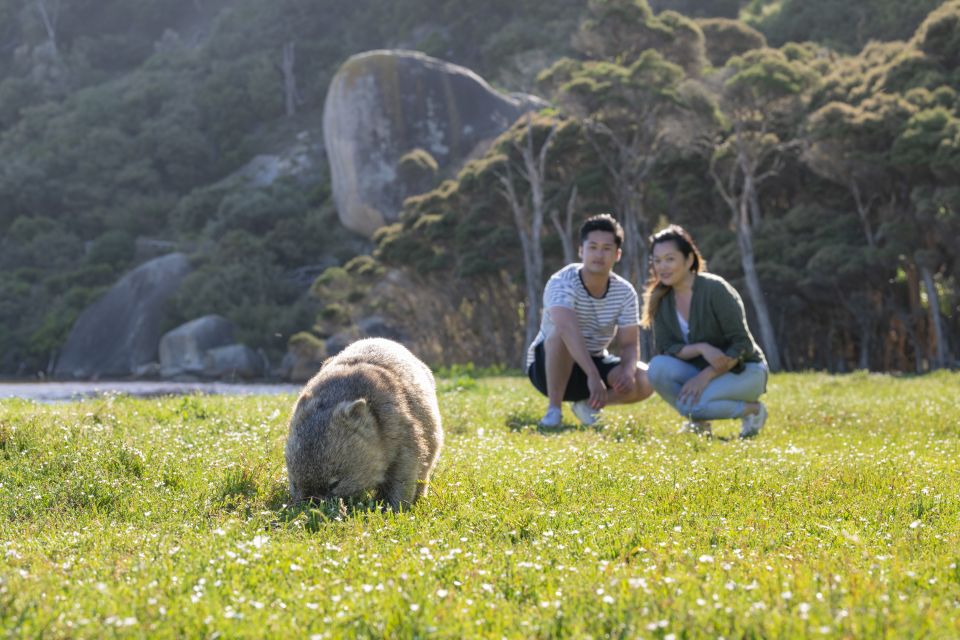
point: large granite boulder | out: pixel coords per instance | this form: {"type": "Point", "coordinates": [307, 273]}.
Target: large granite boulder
{"type": "Point", "coordinates": [183, 348]}
{"type": "Point", "coordinates": [304, 357]}
{"type": "Point", "coordinates": [390, 115]}
{"type": "Point", "coordinates": [233, 361]}
{"type": "Point", "coordinates": [119, 333]}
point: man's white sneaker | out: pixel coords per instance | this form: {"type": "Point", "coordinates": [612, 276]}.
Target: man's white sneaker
{"type": "Point", "coordinates": [699, 427]}
{"type": "Point", "coordinates": [751, 425]}
{"type": "Point", "coordinates": [586, 414]}
{"type": "Point", "coordinates": [552, 419]}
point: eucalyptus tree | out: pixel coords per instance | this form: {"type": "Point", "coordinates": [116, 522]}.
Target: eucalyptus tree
{"type": "Point", "coordinates": [849, 144]}
{"type": "Point", "coordinates": [725, 38]}
{"type": "Point", "coordinates": [887, 130]}
{"type": "Point", "coordinates": [528, 161]}
{"type": "Point", "coordinates": [633, 116]}
{"type": "Point", "coordinates": [761, 97]}
{"type": "Point", "coordinates": [622, 30]}
{"type": "Point", "coordinates": [927, 152]}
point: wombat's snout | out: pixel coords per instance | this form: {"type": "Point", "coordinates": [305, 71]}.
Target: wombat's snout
{"type": "Point", "coordinates": [322, 492]}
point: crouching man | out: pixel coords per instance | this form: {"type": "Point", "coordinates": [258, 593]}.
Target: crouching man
{"type": "Point", "coordinates": [585, 305]}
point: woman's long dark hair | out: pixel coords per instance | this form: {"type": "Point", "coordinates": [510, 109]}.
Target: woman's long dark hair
{"type": "Point", "coordinates": [655, 291]}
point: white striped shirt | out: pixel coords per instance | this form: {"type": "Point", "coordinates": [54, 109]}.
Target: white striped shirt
{"type": "Point", "coordinates": [598, 318]}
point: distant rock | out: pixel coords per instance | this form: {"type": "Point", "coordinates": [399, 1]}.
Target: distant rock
{"type": "Point", "coordinates": [304, 357]}
{"type": "Point", "coordinates": [182, 349]}
{"type": "Point", "coordinates": [369, 327]}
{"type": "Point", "coordinates": [150, 248]}
{"type": "Point", "coordinates": [383, 105]}
{"type": "Point", "coordinates": [232, 362]}
{"type": "Point", "coordinates": [377, 327]}
{"type": "Point", "coordinates": [341, 340]}
{"type": "Point", "coordinates": [298, 160]}
{"type": "Point", "coordinates": [119, 333]}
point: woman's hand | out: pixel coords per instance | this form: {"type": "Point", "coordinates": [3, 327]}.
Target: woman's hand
{"type": "Point", "coordinates": [717, 358]}
{"type": "Point", "coordinates": [691, 391]}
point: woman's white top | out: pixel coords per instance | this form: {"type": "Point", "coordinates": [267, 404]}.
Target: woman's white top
{"type": "Point", "coordinates": [684, 327]}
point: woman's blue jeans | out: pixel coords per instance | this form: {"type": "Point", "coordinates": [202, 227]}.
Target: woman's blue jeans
{"type": "Point", "coordinates": [725, 396]}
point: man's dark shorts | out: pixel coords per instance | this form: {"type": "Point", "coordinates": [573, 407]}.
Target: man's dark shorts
{"type": "Point", "coordinates": [577, 388]}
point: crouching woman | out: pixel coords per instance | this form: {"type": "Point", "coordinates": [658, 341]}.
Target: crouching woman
{"type": "Point", "coordinates": [708, 366]}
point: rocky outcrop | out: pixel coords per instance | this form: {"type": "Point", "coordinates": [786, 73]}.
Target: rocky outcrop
{"type": "Point", "coordinates": [298, 160]}
{"type": "Point", "coordinates": [384, 105]}
{"type": "Point", "coordinates": [119, 333]}
{"type": "Point", "coordinates": [304, 357]}
{"type": "Point", "coordinates": [232, 362]}
{"type": "Point", "coordinates": [370, 327]}
{"type": "Point", "coordinates": [182, 349]}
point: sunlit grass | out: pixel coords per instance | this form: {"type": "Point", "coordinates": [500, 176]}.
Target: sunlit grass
{"type": "Point", "coordinates": [168, 517]}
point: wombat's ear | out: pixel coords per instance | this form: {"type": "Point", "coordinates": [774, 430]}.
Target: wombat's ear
{"type": "Point", "coordinates": [354, 411]}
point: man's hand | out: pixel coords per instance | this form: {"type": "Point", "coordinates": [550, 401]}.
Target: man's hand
{"type": "Point", "coordinates": [691, 391]}
{"type": "Point", "coordinates": [598, 392]}
{"type": "Point", "coordinates": [625, 379]}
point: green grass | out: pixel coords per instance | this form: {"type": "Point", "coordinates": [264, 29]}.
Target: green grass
{"type": "Point", "coordinates": [168, 518]}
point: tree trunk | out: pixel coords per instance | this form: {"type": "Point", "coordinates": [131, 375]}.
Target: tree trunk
{"type": "Point", "coordinates": [532, 267]}
{"type": "Point", "coordinates": [533, 308]}
{"type": "Point", "coordinates": [745, 207]}
{"type": "Point", "coordinates": [530, 225]}
{"type": "Point", "coordinates": [629, 264]}
{"type": "Point", "coordinates": [914, 326]}
{"type": "Point", "coordinates": [863, 212]}
{"type": "Point", "coordinates": [565, 228]}
{"type": "Point", "coordinates": [290, 92]}
{"type": "Point", "coordinates": [941, 353]}
{"type": "Point", "coordinates": [49, 16]}
{"type": "Point", "coordinates": [863, 362]}
{"type": "Point", "coordinates": [51, 362]}
{"type": "Point", "coordinates": [646, 335]}
{"type": "Point", "coordinates": [767, 335]}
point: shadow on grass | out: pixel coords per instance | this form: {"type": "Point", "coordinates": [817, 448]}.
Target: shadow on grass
{"type": "Point", "coordinates": [526, 421]}
{"type": "Point", "coordinates": [314, 514]}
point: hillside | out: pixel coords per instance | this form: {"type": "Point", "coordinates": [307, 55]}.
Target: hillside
{"type": "Point", "coordinates": [129, 129]}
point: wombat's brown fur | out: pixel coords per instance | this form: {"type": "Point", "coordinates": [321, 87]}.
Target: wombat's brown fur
{"type": "Point", "coordinates": [368, 420]}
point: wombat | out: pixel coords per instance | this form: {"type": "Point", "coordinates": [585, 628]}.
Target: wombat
{"type": "Point", "coordinates": [367, 420]}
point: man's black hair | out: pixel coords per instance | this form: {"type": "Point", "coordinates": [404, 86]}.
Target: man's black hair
{"type": "Point", "coordinates": [602, 222]}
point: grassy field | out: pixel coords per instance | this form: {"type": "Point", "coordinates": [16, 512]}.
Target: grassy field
{"type": "Point", "coordinates": [168, 518]}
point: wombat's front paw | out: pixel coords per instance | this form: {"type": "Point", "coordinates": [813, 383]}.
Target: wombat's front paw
{"type": "Point", "coordinates": [395, 497]}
